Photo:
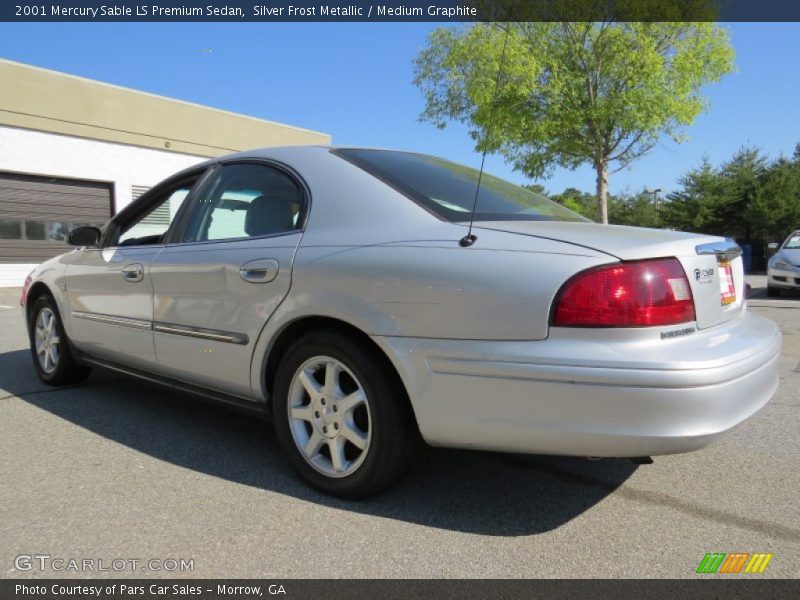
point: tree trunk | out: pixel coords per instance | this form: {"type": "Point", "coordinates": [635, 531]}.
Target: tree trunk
{"type": "Point", "coordinates": [602, 190]}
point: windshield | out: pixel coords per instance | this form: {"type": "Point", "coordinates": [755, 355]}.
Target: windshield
{"type": "Point", "coordinates": [448, 189]}
{"type": "Point", "coordinates": [793, 242]}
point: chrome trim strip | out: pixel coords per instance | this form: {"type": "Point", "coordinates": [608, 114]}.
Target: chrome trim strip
{"type": "Point", "coordinates": [113, 320]}
{"type": "Point", "coordinates": [187, 330]}
{"type": "Point", "coordinates": [201, 333]}
{"type": "Point", "coordinates": [729, 248]}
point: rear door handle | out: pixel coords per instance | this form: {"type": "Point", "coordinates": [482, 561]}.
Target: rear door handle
{"type": "Point", "coordinates": [261, 270]}
{"type": "Point", "coordinates": [133, 273]}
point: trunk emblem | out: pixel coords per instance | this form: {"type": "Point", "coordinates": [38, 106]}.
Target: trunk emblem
{"type": "Point", "coordinates": [667, 335]}
{"type": "Point", "coordinates": [704, 276]}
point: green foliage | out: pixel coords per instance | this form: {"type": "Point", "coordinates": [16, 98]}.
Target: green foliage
{"type": "Point", "coordinates": [692, 208]}
{"type": "Point", "coordinates": [571, 93]}
{"type": "Point", "coordinates": [748, 197]}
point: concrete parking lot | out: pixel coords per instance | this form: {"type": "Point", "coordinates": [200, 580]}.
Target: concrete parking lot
{"type": "Point", "coordinates": [115, 468]}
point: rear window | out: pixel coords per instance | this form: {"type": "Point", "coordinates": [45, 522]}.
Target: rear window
{"type": "Point", "coordinates": [448, 189]}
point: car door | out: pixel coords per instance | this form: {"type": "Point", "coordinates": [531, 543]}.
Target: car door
{"type": "Point", "coordinates": [109, 290]}
{"type": "Point", "coordinates": [220, 279]}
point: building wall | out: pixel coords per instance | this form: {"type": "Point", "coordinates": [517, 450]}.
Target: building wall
{"type": "Point", "coordinates": [34, 98]}
{"type": "Point", "coordinates": [39, 153]}
{"type": "Point", "coordinates": [61, 125]}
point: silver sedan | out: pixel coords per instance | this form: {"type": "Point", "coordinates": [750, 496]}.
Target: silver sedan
{"type": "Point", "coordinates": [783, 269]}
{"type": "Point", "coordinates": [335, 291]}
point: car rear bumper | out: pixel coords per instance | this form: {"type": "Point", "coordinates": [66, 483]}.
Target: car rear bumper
{"type": "Point", "coordinates": [591, 392]}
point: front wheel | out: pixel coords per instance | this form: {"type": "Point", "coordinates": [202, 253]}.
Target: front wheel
{"type": "Point", "coordinates": [341, 416]}
{"type": "Point", "coordinates": [52, 355]}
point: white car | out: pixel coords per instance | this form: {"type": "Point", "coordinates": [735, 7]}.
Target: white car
{"type": "Point", "coordinates": [336, 291]}
{"type": "Point", "coordinates": [783, 269]}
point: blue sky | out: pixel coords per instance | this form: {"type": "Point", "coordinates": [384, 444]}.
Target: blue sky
{"type": "Point", "coordinates": [354, 82]}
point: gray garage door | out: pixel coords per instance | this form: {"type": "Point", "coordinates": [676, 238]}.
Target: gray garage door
{"type": "Point", "coordinates": [36, 213]}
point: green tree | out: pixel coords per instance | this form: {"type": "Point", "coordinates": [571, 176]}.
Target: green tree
{"type": "Point", "coordinates": [638, 210]}
{"type": "Point", "coordinates": [743, 198]}
{"type": "Point", "coordinates": [537, 188]}
{"type": "Point", "coordinates": [691, 208]}
{"type": "Point", "coordinates": [578, 201]}
{"type": "Point", "coordinates": [571, 93]}
{"type": "Point", "coordinates": [748, 197]}
{"type": "Point", "coordinates": [775, 212]}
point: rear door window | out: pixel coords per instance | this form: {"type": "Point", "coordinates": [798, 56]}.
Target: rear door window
{"type": "Point", "coordinates": [243, 200]}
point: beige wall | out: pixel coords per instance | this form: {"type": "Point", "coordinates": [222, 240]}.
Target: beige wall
{"type": "Point", "coordinates": [38, 99]}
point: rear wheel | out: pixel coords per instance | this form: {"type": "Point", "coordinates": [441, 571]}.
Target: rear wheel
{"type": "Point", "coordinates": [341, 416]}
{"type": "Point", "coordinates": [52, 355]}
{"type": "Point", "coordinates": [773, 292]}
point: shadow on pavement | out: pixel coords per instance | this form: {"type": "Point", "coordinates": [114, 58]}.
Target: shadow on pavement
{"type": "Point", "coordinates": [473, 492]}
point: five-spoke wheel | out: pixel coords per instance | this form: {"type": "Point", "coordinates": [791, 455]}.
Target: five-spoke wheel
{"type": "Point", "coordinates": [46, 340]}
{"type": "Point", "coordinates": [341, 415]}
{"type": "Point", "coordinates": [52, 356]}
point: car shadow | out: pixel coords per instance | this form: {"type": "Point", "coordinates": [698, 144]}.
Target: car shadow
{"type": "Point", "coordinates": [466, 491]}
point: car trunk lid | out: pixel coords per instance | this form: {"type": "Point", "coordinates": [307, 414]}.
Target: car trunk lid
{"type": "Point", "coordinates": [713, 265]}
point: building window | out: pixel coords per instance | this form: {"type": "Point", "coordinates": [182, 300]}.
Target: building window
{"type": "Point", "coordinates": [10, 229]}
{"type": "Point", "coordinates": [57, 230]}
{"type": "Point", "coordinates": [35, 230]}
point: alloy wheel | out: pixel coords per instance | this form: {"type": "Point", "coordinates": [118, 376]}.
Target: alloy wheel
{"type": "Point", "coordinates": [329, 416]}
{"type": "Point", "coordinates": [47, 340]}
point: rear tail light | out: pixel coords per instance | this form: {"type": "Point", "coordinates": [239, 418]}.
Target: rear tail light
{"type": "Point", "coordinates": [630, 294]}
{"type": "Point", "coordinates": [24, 296]}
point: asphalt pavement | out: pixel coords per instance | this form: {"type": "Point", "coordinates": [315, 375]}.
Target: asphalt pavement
{"type": "Point", "coordinates": [115, 469]}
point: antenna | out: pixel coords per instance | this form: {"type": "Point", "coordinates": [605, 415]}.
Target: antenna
{"type": "Point", "coordinates": [470, 238]}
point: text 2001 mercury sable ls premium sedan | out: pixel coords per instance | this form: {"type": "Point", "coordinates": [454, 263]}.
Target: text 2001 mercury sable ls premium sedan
{"type": "Point", "coordinates": [327, 287]}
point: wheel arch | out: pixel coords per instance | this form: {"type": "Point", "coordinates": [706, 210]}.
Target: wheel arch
{"type": "Point", "coordinates": [302, 325]}
{"type": "Point", "coordinates": [36, 291]}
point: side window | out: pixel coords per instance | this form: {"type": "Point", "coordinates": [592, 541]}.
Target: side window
{"type": "Point", "coordinates": [245, 200]}
{"type": "Point", "coordinates": [151, 227]}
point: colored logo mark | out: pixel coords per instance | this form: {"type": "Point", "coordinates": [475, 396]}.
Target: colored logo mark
{"type": "Point", "coordinates": [734, 562]}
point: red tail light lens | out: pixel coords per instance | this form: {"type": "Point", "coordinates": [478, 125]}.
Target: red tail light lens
{"type": "Point", "coordinates": [630, 294]}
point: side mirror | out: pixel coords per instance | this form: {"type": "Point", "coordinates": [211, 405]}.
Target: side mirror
{"type": "Point", "coordinates": [84, 236]}
{"type": "Point", "coordinates": [773, 246]}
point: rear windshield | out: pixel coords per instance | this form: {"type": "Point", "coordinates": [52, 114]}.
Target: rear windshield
{"type": "Point", "coordinates": [448, 189]}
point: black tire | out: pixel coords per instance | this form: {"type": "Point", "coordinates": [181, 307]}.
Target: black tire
{"type": "Point", "coordinates": [773, 292]}
{"type": "Point", "coordinates": [393, 434]}
{"type": "Point", "coordinates": [66, 370]}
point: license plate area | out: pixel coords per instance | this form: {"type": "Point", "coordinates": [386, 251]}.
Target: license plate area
{"type": "Point", "coordinates": [727, 289]}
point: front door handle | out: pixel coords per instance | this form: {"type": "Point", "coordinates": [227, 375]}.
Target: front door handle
{"type": "Point", "coordinates": [261, 270]}
{"type": "Point", "coordinates": [133, 273]}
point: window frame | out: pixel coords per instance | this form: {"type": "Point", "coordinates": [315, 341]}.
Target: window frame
{"type": "Point", "coordinates": [175, 237]}
{"type": "Point", "coordinates": [144, 204]}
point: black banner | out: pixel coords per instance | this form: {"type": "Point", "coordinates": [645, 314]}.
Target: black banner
{"type": "Point", "coordinates": [360, 589]}
{"type": "Point", "coordinates": [398, 10]}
